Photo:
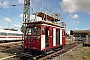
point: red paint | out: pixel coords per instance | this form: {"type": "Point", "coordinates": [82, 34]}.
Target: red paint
{"type": "Point", "coordinates": [10, 37]}
{"type": "Point", "coordinates": [2, 37]}
{"type": "Point", "coordinates": [63, 37]}
{"type": "Point", "coordinates": [32, 43]}
{"type": "Point", "coordinates": [14, 37]}
{"type": "Point", "coordinates": [53, 47]}
{"type": "Point", "coordinates": [50, 37]}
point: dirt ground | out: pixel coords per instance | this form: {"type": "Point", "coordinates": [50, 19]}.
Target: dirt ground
{"type": "Point", "coordinates": [77, 53]}
{"type": "Point", "coordinates": [10, 50]}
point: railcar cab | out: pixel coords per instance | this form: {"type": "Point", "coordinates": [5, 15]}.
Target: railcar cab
{"type": "Point", "coordinates": [32, 37]}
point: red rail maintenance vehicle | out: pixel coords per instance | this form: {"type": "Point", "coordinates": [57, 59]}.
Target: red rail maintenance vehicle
{"type": "Point", "coordinates": [41, 35]}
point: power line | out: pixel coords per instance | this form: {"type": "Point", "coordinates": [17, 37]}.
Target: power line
{"type": "Point", "coordinates": [17, 4]}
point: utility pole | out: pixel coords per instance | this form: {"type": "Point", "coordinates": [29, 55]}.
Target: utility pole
{"type": "Point", "coordinates": [71, 33]}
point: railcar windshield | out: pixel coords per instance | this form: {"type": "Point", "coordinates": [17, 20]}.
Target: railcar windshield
{"type": "Point", "coordinates": [33, 31]}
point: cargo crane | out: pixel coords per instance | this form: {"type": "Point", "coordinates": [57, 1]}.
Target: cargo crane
{"type": "Point", "coordinates": [40, 36]}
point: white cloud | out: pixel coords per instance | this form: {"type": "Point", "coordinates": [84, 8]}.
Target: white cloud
{"type": "Point", "coordinates": [78, 22]}
{"type": "Point", "coordinates": [68, 32]}
{"type": "Point", "coordinates": [76, 28]}
{"type": "Point", "coordinates": [15, 25]}
{"type": "Point", "coordinates": [20, 16]}
{"type": "Point", "coordinates": [5, 4]}
{"type": "Point", "coordinates": [70, 15]}
{"type": "Point", "coordinates": [21, 1]}
{"type": "Point", "coordinates": [1, 27]}
{"type": "Point", "coordinates": [37, 0]}
{"type": "Point", "coordinates": [75, 16]}
{"type": "Point", "coordinates": [75, 22]}
{"type": "Point", "coordinates": [75, 5]}
{"type": "Point", "coordinates": [7, 19]}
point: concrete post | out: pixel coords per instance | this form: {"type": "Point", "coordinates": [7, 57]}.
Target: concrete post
{"type": "Point", "coordinates": [86, 38]}
{"type": "Point", "coordinates": [71, 38]}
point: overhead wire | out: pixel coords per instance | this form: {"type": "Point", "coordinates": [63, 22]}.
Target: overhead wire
{"type": "Point", "coordinates": [13, 5]}
{"type": "Point", "coordinates": [4, 15]}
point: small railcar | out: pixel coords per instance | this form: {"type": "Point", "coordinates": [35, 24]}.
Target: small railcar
{"type": "Point", "coordinates": [43, 36]}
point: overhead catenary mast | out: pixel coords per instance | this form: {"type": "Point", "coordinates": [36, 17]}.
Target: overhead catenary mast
{"type": "Point", "coordinates": [26, 13]}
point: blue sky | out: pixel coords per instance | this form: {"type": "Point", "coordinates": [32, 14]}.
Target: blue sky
{"type": "Point", "coordinates": [76, 13]}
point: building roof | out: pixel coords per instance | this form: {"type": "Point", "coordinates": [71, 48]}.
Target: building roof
{"type": "Point", "coordinates": [81, 31]}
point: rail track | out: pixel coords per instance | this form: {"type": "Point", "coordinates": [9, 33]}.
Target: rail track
{"type": "Point", "coordinates": [8, 44]}
{"type": "Point", "coordinates": [6, 41]}
{"type": "Point", "coordinates": [66, 48]}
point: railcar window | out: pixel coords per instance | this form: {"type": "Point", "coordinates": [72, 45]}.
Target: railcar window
{"type": "Point", "coordinates": [5, 34]}
{"type": "Point", "coordinates": [13, 34]}
{"type": "Point", "coordinates": [9, 34]}
{"type": "Point", "coordinates": [18, 34]}
{"type": "Point", "coordinates": [2, 33]}
{"type": "Point", "coordinates": [28, 31]}
{"type": "Point", "coordinates": [33, 31]}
